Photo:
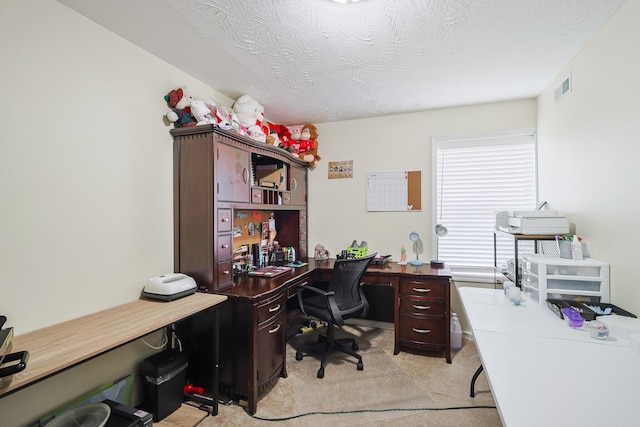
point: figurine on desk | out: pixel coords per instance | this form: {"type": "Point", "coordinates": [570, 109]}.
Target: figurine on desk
{"type": "Point", "coordinates": [403, 256]}
{"type": "Point", "coordinates": [321, 253]}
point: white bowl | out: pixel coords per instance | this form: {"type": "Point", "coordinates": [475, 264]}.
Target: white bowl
{"type": "Point", "coordinates": [90, 415]}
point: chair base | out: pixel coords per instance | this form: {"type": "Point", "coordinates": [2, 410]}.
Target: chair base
{"type": "Point", "coordinates": [327, 345]}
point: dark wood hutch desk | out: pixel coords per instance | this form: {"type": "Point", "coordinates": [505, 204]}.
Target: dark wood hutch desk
{"type": "Point", "coordinates": [255, 318]}
{"type": "Point", "coordinates": [216, 181]}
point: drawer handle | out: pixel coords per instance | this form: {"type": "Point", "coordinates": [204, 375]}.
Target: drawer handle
{"type": "Point", "coordinates": [422, 307]}
{"type": "Point", "coordinates": [224, 219]}
{"type": "Point", "coordinates": [225, 272]}
{"type": "Point", "coordinates": [274, 330]}
{"type": "Point", "coordinates": [276, 308]}
{"type": "Point", "coordinates": [225, 246]}
{"type": "Point", "coordinates": [422, 331]}
{"type": "Point", "coordinates": [245, 175]}
{"type": "Point", "coordinates": [294, 184]}
{"type": "Point", "coordinates": [421, 290]}
{"type": "Point", "coordinates": [257, 196]}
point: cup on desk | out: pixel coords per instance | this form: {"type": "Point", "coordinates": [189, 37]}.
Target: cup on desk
{"type": "Point", "coordinates": [514, 295]}
{"type": "Point", "coordinates": [506, 285]}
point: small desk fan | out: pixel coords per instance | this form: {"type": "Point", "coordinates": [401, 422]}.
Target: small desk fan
{"type": "Point", "coordinates": [417, 246]}
{"type": "Point", "coordinates": [441, 231]}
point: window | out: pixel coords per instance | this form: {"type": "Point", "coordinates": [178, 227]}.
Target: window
{"type": "Point", "coordinates": [474, 177]}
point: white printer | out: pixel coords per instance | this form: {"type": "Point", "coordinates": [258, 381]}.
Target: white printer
{"type": "Point", "coordinates": [532, 222]}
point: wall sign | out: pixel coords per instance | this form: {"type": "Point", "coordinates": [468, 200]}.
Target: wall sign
{"type": "Point", "coordinates": [343, 169]}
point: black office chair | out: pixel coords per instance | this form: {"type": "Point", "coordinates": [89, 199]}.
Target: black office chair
{"type": "Point", "coordinates": [342, 300]}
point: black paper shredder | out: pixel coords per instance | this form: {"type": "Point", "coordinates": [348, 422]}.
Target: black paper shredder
{"type": "Point", "coordinates": [164, 378]}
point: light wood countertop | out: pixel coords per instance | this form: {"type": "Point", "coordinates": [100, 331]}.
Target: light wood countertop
{"type": "Point", "coordinates": [58, 347]}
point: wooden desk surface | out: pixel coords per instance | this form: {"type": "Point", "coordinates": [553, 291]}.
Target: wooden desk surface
{"type": "Point", "coordinates": [58, 347]}
{"type": "Point", "coordinates": [255, 287]}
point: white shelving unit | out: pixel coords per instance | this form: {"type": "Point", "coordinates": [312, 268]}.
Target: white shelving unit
{"type": "Point", "coordinates": [543, 275]}
{"type": "Point", "coordinates": [522, 244]}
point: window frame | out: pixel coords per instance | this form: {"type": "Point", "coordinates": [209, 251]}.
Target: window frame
{"type": "Point", "coordinates": [501, 137]}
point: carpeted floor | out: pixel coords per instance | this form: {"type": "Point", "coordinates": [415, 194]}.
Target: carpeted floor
{"type": "Point", "coordinates": [380, 395]}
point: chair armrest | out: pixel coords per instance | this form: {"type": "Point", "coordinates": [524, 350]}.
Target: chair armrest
{"type": "Point", "coordinates": [319, 291]}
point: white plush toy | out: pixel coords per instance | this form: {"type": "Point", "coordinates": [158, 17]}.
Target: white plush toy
{"type": "Point", "coordinates": [226, 118]}
{"type": "Point", "coordinates": [255, 132]}
{"type": "Point", "coordinates": [250, 115]}
{"type": "Point", "coordinates": [180, 103]}
{"type": "Point", "coordinates": [202, 113]}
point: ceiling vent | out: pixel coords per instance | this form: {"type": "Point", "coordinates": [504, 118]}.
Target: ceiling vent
{"type": "Point", "coordinates": [564, 88]}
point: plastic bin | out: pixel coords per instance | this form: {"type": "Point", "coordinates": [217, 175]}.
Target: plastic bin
{"type": "Point", "coordinates": [164, 378]}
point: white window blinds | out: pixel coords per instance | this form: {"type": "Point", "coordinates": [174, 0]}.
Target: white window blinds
{"type": "Point", "coordinates": [473, 178]}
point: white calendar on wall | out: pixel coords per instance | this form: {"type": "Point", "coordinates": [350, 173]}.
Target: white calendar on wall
{"type": "Point", "coordinates": [393, 191]}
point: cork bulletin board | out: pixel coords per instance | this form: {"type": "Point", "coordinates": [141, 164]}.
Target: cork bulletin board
{"type": "Point", "coordinates": [394, 191]}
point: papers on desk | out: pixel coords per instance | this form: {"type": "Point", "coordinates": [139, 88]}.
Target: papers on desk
{"type": "Point", "coordinates": [270, 271]}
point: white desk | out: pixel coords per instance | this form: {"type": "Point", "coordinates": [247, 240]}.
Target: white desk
{"type": "Point", "coordinates": [543, 373]}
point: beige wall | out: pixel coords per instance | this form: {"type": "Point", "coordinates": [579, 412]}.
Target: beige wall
{"type": "Point", "coordinates": [85, 182]}
{"type": "Point", "coordinates": [589, 149]}
{"type": "Point", "coordinates": [337, 207]}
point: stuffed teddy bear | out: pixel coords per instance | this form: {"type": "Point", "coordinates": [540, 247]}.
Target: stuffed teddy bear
{"type": "Point", "coordinates": [180, 104]}
{"type": "Point", "coordinates": [256, 133]}
{"type": "Point", "coordinates": [292, 144]}
{"type": "Point", "coordinates": [227, 119]}
{"type": "Point", "coordinates": [202, 113]}
{"type": "Point", "coordinates": [295, 132]}
{"type": "Point", "coordinates": [308, 147]}
{"type": "Point", "coordinates": [279, 135]}
{"type": "Point", "coordinates": [311, 156]}
{"type": "Point", "coordinates": [250, 114]}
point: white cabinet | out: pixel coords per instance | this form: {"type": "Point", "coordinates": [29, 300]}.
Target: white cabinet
{"type": "Point", "coordinates": [545, 276]}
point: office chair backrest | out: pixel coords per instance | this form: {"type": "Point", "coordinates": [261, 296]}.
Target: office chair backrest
{"type": "Point", "coordinates": [345, 280]}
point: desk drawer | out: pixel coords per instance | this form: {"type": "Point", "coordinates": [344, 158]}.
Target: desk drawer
{"type": "Point", "coordinates": [225, 275]}
{"type": "Point", "coordinates": [224, 220]}
{"type": "Point", "coordinates": [427, 289]}
{"type": "Point", "coordinates": [224, 246]}
{"type": "Point", "coordinates": [378, 279]}
{"type": "Point", "coordinates": [427, 331]}
{"type": "Point", "coordinates": [422, 307]}
{"type": "Point", "coordinates": [270, 309]}
{"type": "Point", "coordinates": [270, 352]}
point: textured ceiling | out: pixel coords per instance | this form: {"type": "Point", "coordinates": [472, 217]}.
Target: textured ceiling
{"type": "Point", "coordinates": [319, 61]}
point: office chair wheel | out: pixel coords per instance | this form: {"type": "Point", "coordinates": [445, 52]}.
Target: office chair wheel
{"type": "Point", "coordinates": [321, 373]}
{"type": "Point", "coordinates": [299, 356]}
{"type": "Point", "coordinates": [360, 365]}
{"type": "Point", "coordinates": [355, 347]}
